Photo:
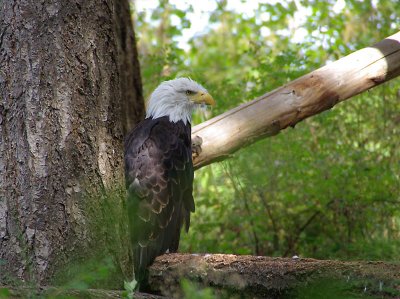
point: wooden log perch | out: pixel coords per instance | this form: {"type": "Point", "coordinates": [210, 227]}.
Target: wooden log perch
{"type": "Point", "coordinates": [306, 96]}
{"type": "Point", "coordinates": [266, 277]}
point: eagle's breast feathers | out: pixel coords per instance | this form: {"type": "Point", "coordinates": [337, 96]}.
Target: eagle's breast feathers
{"type": "Point", "coordinates": [159, 178]}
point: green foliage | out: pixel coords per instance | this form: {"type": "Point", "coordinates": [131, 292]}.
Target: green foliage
{"type": "Point", "coordinates": [327, 189]}
{"type": "Point", "coordinates": [191, 291]}
{"type": "Point", "coordinates": [103, 261]}
{"type": "Point", "coordinates": [4, 293]}
{"type": "Point", "coordinates": [89, 274]}
{"type": "Point", "coordinates": [332, 289]}
{"type": "Point", "coordinates": [129, 288]}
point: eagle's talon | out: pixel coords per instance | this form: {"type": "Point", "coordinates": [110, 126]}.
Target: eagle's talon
{"type": "Point", "coordinates": [196, 146]}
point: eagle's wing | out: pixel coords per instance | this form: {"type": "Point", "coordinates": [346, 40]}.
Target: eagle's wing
{"type": "Point", "coordinates": [159, 178]}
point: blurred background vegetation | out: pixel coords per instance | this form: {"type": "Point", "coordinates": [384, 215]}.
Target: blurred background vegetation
{"type": "Point", "coordinates": [330, 188]}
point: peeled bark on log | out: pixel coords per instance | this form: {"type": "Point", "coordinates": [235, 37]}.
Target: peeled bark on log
{"type": "Point", "coordinates": [266, 277]}
{"type": "Point", "coordinates": [311, 94]}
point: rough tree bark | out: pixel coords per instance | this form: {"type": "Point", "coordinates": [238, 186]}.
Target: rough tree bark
{"type": "Point", "coordinates": [311, 94]}
{"type": "Point", "coordinates": [65, 69]}
{"type": "Point", "coordinates": [129, 69]}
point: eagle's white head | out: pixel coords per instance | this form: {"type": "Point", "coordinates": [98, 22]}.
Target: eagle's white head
{"type": "Point", "coordinates": [177, 99]}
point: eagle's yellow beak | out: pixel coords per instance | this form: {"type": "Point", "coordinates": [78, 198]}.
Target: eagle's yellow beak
{"type": "Point", "coordinates": [202, 97]}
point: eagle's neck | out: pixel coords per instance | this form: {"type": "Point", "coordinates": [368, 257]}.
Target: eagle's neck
{"type": "Point", "coordinates": [169, 104]}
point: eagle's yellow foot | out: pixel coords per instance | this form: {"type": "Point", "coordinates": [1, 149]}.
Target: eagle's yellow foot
{"type": "Point", "coordinates": [196, 146]}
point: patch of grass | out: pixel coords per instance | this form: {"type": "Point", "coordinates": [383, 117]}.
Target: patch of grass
{"type": "Point", "coordinates": [5, 293]}
{"type": "Point", "coordinates": [333, 288]}
{"type": "Point", "coordinates": [193, 291]}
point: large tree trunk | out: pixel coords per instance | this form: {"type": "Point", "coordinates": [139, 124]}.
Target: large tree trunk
{"type": "Point", "coordinates": [130, 78]}
{"type": "Point", "coordinates": [65, 69]}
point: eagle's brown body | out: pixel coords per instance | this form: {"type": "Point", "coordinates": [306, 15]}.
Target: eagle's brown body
{"type": "Point", "coordinates": [159, 179]}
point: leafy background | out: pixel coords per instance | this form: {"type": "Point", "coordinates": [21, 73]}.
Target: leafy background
{"type": "Point", "coordinates": [328, 188]}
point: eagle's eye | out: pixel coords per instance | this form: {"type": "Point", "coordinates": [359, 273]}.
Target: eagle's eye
{"type": "Point", "coordinates": [189, 92]}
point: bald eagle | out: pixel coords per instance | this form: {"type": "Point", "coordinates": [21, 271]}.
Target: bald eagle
{"type": "Point", "coordinates": [159, 171]}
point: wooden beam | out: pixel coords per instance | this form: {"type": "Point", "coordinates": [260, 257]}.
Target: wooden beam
{"type": "Point", "coordinates": [308, 95]}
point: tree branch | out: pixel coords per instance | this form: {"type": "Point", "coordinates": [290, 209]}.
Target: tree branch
{"type": "Point", "coordinates": [311, 94]}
